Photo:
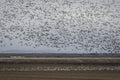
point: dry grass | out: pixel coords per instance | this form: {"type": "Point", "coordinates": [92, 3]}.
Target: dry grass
{"type": "Point", "coordinates": [60, 60]}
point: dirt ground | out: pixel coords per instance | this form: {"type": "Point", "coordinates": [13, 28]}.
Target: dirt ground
{"type": "Point", "coordinates": [60, 75]}
{"type": "Point", "coordinates": [60, 69]}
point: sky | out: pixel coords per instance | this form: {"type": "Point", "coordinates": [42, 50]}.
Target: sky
{"type": "Point", "coordinates": [60, 26]}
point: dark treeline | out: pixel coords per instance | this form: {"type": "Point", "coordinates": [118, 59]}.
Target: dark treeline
{"type": "Point", "coordinates": [58, 55]}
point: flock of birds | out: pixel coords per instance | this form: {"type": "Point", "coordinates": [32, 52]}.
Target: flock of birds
{"type": "Point", "coordinates": [78, 26]}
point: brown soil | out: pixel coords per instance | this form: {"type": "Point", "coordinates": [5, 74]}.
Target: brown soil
{"type": "Point", "coordinates": [55, 75]}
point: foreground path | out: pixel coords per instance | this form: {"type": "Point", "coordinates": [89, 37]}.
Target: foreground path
{"type": "Point", "coordinates": [55, 75]}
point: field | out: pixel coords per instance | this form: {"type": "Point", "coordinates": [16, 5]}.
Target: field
{"type": "Point", "coordinates": [17, 67]}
